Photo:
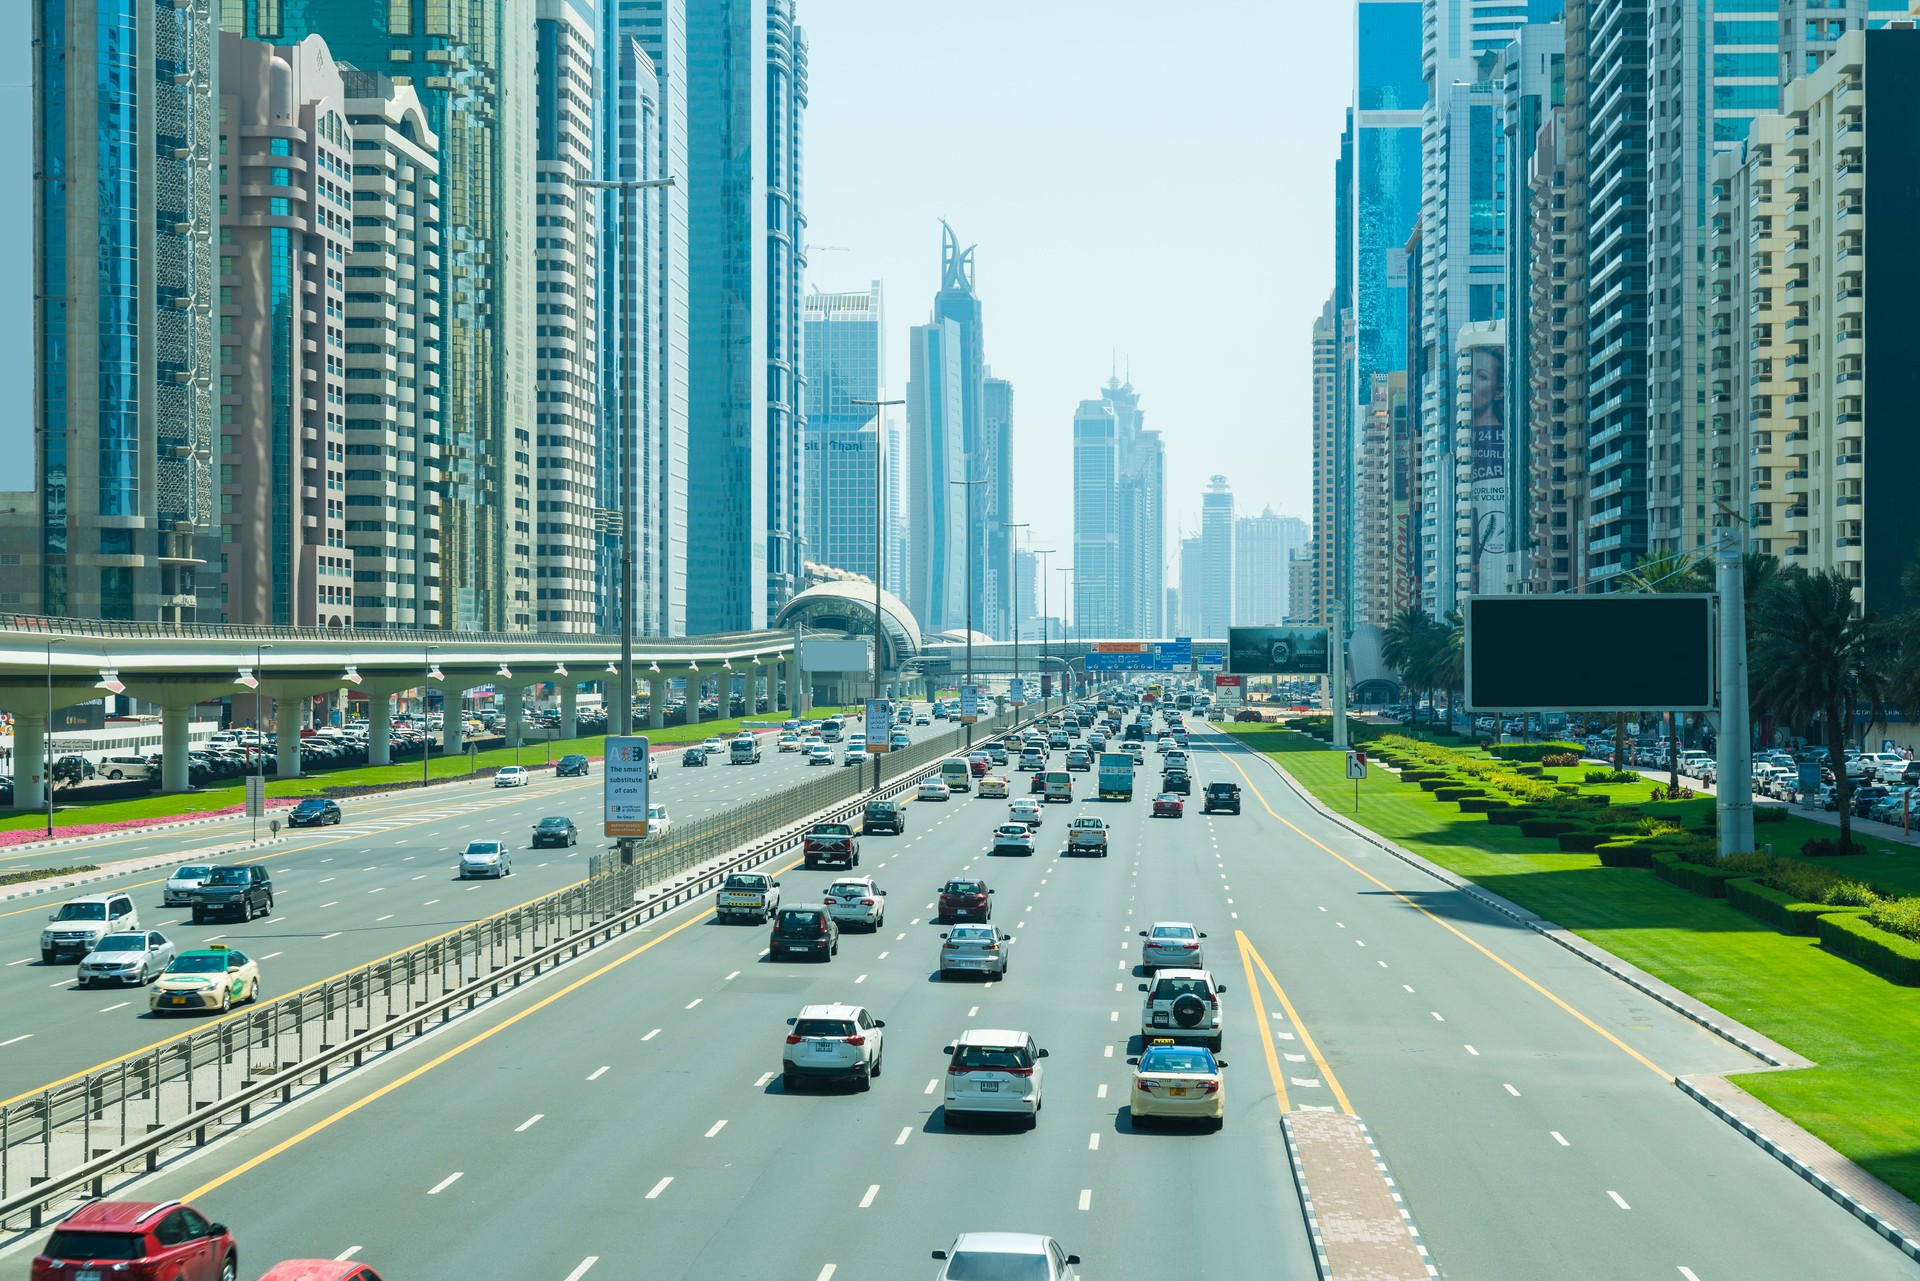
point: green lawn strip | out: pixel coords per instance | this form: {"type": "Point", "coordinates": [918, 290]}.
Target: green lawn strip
{"type": "Point", "coordinates": [211, 799]}
{"type": "Point", "coordinates": [1863, 1031]}
{"type": "Point", "coordinates": [45, 873]}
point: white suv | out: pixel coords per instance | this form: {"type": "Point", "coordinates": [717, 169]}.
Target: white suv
{"type": "Point", "coordinates": [839, 1042]}
{"type": "Point", "coordinates": [856, 900]}
{"type": "Point", "coordinates": [993, 1070]}
{"type": "Point", "coordinates": [81, 923]}
{"type": "Point", "coordinates": [1184, 1005]}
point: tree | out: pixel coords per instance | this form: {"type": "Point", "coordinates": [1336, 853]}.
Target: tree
{"type": "Point", "coordinates": [1450, 658]}
{"type": "Point", "coordinates": [1814, 652]}
{"type": "Point", "coordinates": [1414, 646]}
{"type": "Point", "coordinates": [1667, 573]}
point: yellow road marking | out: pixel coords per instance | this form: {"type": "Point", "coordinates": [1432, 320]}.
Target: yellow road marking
{"type": "Point", "coordinates": [1638, 1057]}
{"type": "Point", "coordinates": [1266, 1033]}
{"type": "Point", "coordinates": [1300, 1028]}
{"type": "Point", "coordinates": [255, 1162]}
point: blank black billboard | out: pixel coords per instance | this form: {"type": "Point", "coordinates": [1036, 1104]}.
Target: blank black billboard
{"type": "Point", "coordinates": [1619, 653]}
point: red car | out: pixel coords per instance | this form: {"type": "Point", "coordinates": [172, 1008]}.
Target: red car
{"type": "Point", "coordinates": [1168, 805]}
{"type": "Point", "coordinates": [978, 763]}
{"type": "Point", "coordinates": [964, 898]}
{"type": "Point", "coordinates": [138, 1238]}
{"type": "Point", "coordinates": [320, 1270]}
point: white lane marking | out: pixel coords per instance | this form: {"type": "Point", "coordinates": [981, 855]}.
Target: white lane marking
{"type": "Point", "coordinates": [387, 917]}
{"type": "Point", "coordinates": [430, 902]}
{"type": "Point", "coordinates": [376, 889]}
{"type": "Point", "coordinates": [1294, 1058]}
{"type": "Point", "coordinates": [904, 1132]}
{"type": "Point", "coordinates": [346, 1254]}
{"type": "Point", "coordinates": [334, 935]}
{"type": "Point", "coordinates": [423, 876]}
{"type": "Point", "coordinates": [444, 1184]}
{"type": "Point", "coordinates": [1472, 1051]}
{"type": "Point", "coordinates": [598, 1072]}
{"type": "Point", "coordinates": [1361, 942]}
{"type": "Point", "coordinates": [717, 1127]}
{"type": "Point", "coordinates": [1101, 1093]}
{"type": "Point", "coordinates": [1688, 1273]}
{"type": "Point", "coordinates": [873, 1190]}
{"type": "Point", "coordinates": [1305, 1082]}
{"type": "Point", "coordinates": [896, 938]}
{"type": "Point", "coordinates": [736, 974]}
{"type": "Point", "coordinates": [1113, 1016]}
{"type": "Point", "coordinates": [826, 1274]}
{"type": "Point", "coordinates": [649, 1036]}
{"type": "Point", "coordinates": [211, 937]}
{"type": "Point", "coordinates": [1109, 1051]}
{"type": "Point", "coordinates": [659, 1187]}
{"type": "Point", "coordinates": [1560, 1138]}
{"type": "Point", "coordinates": [1406, 986]}
{"type": "Point", "coordinates": [1437, 1015]}
{"type": "Point", "coordinates": [973, 1011]}
{"type": "Point", "coordinates": [695, 1001]}
{"type": "Point", "coordinates": [1093, 1141]}
{"type": "Point", "coordinates": [765, 1077]}
{"type": "Point", "coordinates": [325, 879]}
{"type": "Point", "coordinates": [22, 961]}
{"type": "Point", "coordinates": [1510, 1090]}
{"type": "Point", "coordinates": [861, 979]}
{"type": "Point", "coordinates": [881, 957]}
{"type": "Point", "coordinates": [111, 1008]}
{"type": "Point", "coordinates": [335, 903]}
{"type": "Point", "coordinates": [1618, 1199]}
{"type": "Point", "coordinates": [581, 1271]}
{"type": "Point", "coordinates": [529, 1123]}
{"type": "Point", "coordinates": [16, 1040]}
{"type": "Point", "coordinates": [1086, 1198]}
{"type": "Point", "coordinates": [932, 1086]}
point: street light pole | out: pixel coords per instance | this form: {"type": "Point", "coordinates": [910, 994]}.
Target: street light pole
{"type": "Point", "coordinates": [1013, 576]}
{"type": "Point", "coordinates": [426, 733]}
{"type": "Point", "coordinates": [969, 486]}
{"type": "Point", "coordinates": [46, 744]}
{"type": "Point", "coordinates": [878, 405]}
{"type": "Point", "coordinates": [629, 462]}
{"type": "Point", "coordinates": [1067, 593]}
{"type": "Point", "coordinates": [1046, 623]}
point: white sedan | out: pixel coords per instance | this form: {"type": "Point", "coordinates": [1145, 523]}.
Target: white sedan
{"type": "Point", "coordinates": [512, 776]}
{"type": "Point", "coordinates": [1013, 838]}
{"type": "Point", "coordinates": [932, 789]}
{"type": "Point", "coordinates": [1027, 812]}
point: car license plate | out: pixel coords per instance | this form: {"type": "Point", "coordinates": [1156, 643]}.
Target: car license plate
{"type": "Point", "coordinates": [989, 1087]}
{"type": "Point", "coordinates": [821, 1047]}
{"type": "Point", "coordinates": [88, 1274]}
{"type": "Point", "coordinates": [1178, 1092]}
{"type": "Point", "coordinates": [1159, 1020]}
{"type": "Point", "coordinates": [795, 947]}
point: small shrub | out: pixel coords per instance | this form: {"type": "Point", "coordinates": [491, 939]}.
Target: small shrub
{"type": "Point", "coordinates": [1597, 776]}
{"type": "Point", "coordinates": [1488, 805]}
{"type": "Point", "coordinates": [1897, 916]}
{"type": "Point", "coordinates": [1582, 842]}
{"type": "Point", "coordinates": [1624, 853]}
{"type": "Point", "coordinates": [1860, 894]}
{"type": "Point", "coordinates": [1707, 881]}
{"type": "Point", "coordinates": [1535, 751]}
{"type": "Point", "coordinates": [1513, 816]}
{"type": "Point", "coordinates": [1622, 776]}
{"type": "Point", "coordinates": [1890, 955]}
{"type": "Point", "coordinates": [1673, 793]}
{"type": "Point", "coordinates": [1561, 760]}
{"type": "Point", "coordinates": [1547, 827]}
{"type": "Point", "coordinates": [1658, 827]}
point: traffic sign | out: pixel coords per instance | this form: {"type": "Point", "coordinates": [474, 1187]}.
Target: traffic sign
{"type": "Point", "coordinates": [1017, 695]}
{"type": "Point", "coordinates": [1356, 765]}
{"type": "Point", "coordinates": [624, 785]}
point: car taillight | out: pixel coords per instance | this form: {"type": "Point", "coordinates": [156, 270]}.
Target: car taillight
{"type": "Point", "coordinates": [1026, 1071]}
{"type": "Point", "coordinates": [856, 1040]}
{"type": "Point", "coordinates": [794, 1038]}
{"type": "Point", "coordinates": [1209, 1087]}
{"type": "Point", "coordinates": [866, 902]}
{"type": "Point", "coordinates": [954, 1069]}
{"type": "Point", "coordinates": [1190, 946]}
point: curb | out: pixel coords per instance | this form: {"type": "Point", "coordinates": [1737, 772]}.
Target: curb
{"type": "Point", "coordinates": [34, 889]}
{"type": "Point", "coordinates": [1900, 1240]}
{"type": "Point", "coordinates": [1766, 1050]}
{"type": "Point", "coordinates": [141, 829]}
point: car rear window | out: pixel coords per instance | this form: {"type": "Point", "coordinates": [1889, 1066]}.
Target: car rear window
{"type": "Point", "coordinates": [823, 1027]}
{"type": "Point", "coordinates": [1172, 932]}
{"type": "Point", "coordinates": [974, 1265]}
{"type": "Point", "coordinates": [746, 882]}
{"type": "Point", "coordinates": [964, 887]}
{"type": "Point", "coordinates": [1172, 989]}
{"type": "Point", "coordinates": [1182, 1059]}
{"type": "Point", "coordinates": [798, 922]}
{"type": "Point", "coordinates": [991, 1056]}
{"type": "Point", "coordinates": [78, 1246]}
{"type": "Point", "coordinates": [971, 934]}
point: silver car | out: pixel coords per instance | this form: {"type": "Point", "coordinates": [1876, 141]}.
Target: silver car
{"type": "Point", "coordinates": [127, 956]}
{"type": "Point", "coordinates": [1027, 1256]}
{"type": "Point", "coordinates": [1171, 943]}
{"type": "Point", "coordinates": [184, 881]}
{"type": "Point", "coordinates": [970, 949]}
{"type": "Point", "coordinates": [856, 900]}
{"type": "Point", "coordinates": [486, 858]}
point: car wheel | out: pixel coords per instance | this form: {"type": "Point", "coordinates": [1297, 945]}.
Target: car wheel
{"type": "Point", "coordinates": [878, 1063]}
{"type": "Point", "coordinates": [951, 1119]}
{"type": "Point", "coordinates": [946, 975]}
{"type": "Point", "coordinates": [229, 1270]}
{"type": "Point", "coordinates": [226, 1000]}
{"type": "Point", "coordinates": [199, 917]}
{"type": "Point", "coordinates": [253, 995]}
{"type": "Point", "coordinates": [789, 1081]}
{"type": "Point", "coordinates": [835, 950]}
{"type": "Point", "coordinates": [1032, 1120]}
{"type": "Point", "coordinates": [863, 1081]}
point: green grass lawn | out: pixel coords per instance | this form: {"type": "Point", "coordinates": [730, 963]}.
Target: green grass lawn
{"type": "Point", "coordinates": [207, 800]}
{"type": "Point", "coordinates": [1863, 1031]}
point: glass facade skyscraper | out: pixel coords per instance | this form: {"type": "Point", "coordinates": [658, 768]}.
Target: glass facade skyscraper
{"type": "Point", "coordinates": [937, 456]}
{"type": "Point", "coordinates": [845, 346]}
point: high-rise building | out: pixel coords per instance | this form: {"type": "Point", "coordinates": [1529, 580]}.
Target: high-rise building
{"type": "Point", "coordinates": [845, 354]}
{"type": "Point", "coordinates": [1191, 572]}
{"type": "Point", "coordinates": [474, 69]}
{"type": "Point", "coordinates": [1140, 515]}
{"type": "Point", "coordinates": [1263, 547]}
{"type": "Point", "coordinates": [1216, 559]}
{"type": "Point", "coordinates": [937, 457]}
{"type": "Point", "coordinates": [287, 196]}
{"type": "Point", "coordinates": [996, 435]}
{"type": "Point", "coordinates": [1096, 519]}
{"type": "Point", "coordinates": [1326, 422]}
{"type": "Point", "coordinates": [566, 323]}
{"type": "Point", "coordinates": [1381, 507]}
{"type": "Point", "coordinates": [746, 94]}
{"type": "Point", "coordinates": [1551, 354]}
{"type": "Point", "coordinates": [123, 292]}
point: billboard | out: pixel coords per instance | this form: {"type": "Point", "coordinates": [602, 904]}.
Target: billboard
{"type": "Point", "coordinates": [969, 704]}
{"type": "Point", "coordinates": [1624, 652]}
{"type": "Point", "coordinates": [1277, 651]}
{"type": "Point", "coordinates": [879, 725]}
{"type": "Point", "coordinates": [836, 654]}
{"type": "Point", "coordinates": [623, 778]}
{"type": "Point", "coordinates": [1017, 693]}
{"type": "Point", "coordinates": [1490, 484]}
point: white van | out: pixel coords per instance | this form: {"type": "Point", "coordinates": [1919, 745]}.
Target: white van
{"type": "Point", "coordinates": [957, 775]}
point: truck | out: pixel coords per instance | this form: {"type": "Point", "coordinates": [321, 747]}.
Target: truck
{"type": "Point", "coordinates": [750, 895]}
{"type": "Point", "coordinates": [831, 843]}
{"type": "Point", "coordinates": [745, 751]}
{"type": "Point", "coordinates": [1087, 833]}
{"type": "Point", "coordinates": [1116, 776]}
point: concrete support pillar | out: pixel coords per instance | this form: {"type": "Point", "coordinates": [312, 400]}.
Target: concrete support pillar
{"type": "Point", "coordinates": [175, 722]}
{"type": "Point", "coordinates": [29, 760]}
{"type": "Point", "coordinates": [515, 709]}
{"type": "Point", "coordinates": [570, 708]}
{"type": "Point", "coordinates": [453, 721]}
{"type": "Point", "coordinates": [286, 736]}
{"type": "Point", "coordinates": [379, 729]}
{"type": "Point", "coordinates": [656, 702]}
{"type": "Point", "coordinates": [796, 693]}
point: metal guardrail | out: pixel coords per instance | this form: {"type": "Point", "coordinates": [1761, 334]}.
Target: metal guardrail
{"type": "Point", "coordinates": [78, 1135]}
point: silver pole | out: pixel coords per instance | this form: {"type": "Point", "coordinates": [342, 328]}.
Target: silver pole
{"type": "Point", "coordinates": [1734, 776]}
{"type": "Point", "coordinates": [1337, 651]}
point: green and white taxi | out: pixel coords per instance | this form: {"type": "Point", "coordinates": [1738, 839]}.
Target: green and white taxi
{"type": "Point", "coordinates": [207, 978]}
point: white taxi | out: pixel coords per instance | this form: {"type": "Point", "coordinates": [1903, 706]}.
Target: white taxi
{"type": "Point", "coordinates": [787, 743]}
{"type": "Point", "coordinates": [1178, 1082]}
{"type": "Point", "coordinates": [217, 977]}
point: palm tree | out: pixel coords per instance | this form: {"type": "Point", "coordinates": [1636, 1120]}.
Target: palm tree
{"type": "Point", "coordinates": [1449, 670]}
{"type": "Point", "coordinates": [1670, 572]}
{"type": "Point", "coordinates": [1406, 647]}
{"type": "Point", "coordinates": [1815, 653]}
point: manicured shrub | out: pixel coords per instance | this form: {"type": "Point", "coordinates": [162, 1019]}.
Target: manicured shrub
{"type": "Point", "coordinates": [1597, 776]}
{"type": "Point", "coordinates": [1783, 911]}
{"type": "Point", "coordinates": [1897, 916]}
{"type": "Point", "coordinates": [1624, 853]}
{"type": "Point", "coordinates": [1537, 752]}
{"type": "Point", "coordinates": [1709, 882]}
{"type": "Point", "coordinates": [1547, 827]}
{"type": "Point", "coordinates": [1488, 805]}
{"type": "Point", "coordinates": [1513, 817]}
{"type": "Point", "coordinates": [1673, 793]}
{"type": "Point", "coordinates": [1530, 771]}
{"type": "Point", "coordinates": [1451, 794]}
{"type": "Point", "coordinates": [1582, 842]}
{"type": "Point", "coordinates": [1561, 760]}
{"type": "Point", "coordinates": [1892, 956]}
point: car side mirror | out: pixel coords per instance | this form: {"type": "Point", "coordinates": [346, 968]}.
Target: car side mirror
{"type": "Point", "coordinates": [1143, 987]}
{"type": "Point", "coordinates": [53, 916]}
{"type": "Point", "coordinates": [1220, 1063]}
{"type": "Point", "coordinates": [776, 885]}
{"type": "Point", "coordinates": [1220, 987]}
{"type": "Point", "coordinates": [1143, 933]}
{"type": "Point", "coordinates": [1203, 933]}
{"type": "Point", "coordinates": [216, 1229]}
{"type": "Point", "coordinates": [991, 891]}
{"type": "Point", "coordinates": [879, 1022]}
{"type": "Point", "coordinates": [791, 1022]}
{"type": "Point", "coordinates": [1073, 1260]}
{"type": "Point", "coordinates": [947, 1050]}
{"type": "Point", "coordinates": [943, 936]}
{"type": "Point", "coordinates": [939, 1254]}
{"type": "Point", "coordinates": [1040, 1054]}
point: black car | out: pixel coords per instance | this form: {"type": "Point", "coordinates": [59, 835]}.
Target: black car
{"type": "Point", "coordinates": [241, 891]}
{"type": "Point", "coordinates": [693, 756]}
{"type": "Point", "coordinates": [1224, 797]}
{"type": "Point", "coordinates": [885, 816]}
{"type": "Point", "coordinates": [572, 765]}
{"type": "Point", "coordinates": [1862, 798]}
{"type": "Point", "coordinates": [808, 930]}
{"type": "Point", "coordinates": [555, 831]}
{"type": "Point", "coordinates": [1176, 780]}
{"type": "Point", "coordinates": [314, 812]}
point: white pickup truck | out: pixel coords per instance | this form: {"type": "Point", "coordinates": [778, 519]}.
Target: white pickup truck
{"type": "Point", "coordinates": [749, 895]}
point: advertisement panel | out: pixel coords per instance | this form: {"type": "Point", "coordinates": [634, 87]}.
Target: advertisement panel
{"type": "Point", "coordinates": [624, 785]}
{"type": "Point", "coordinates": [879, 724]}
{"type": "Point", "coordinates": [969, 704]}
{"type": "Point", "coordinates": [1487, 432]}
{"type": "Point", "coordinates": [1566, 653]}
{"type": "Point", "coordinates": [1018, 694]}
{"type": "Point", "coordinates": [836, 654]}
{"type": "Point", "coordinates": [1277, 651]}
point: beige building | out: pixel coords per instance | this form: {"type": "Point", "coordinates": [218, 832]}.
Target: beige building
{"type": "Point", "coordinates": [1556, 467]}
{"type": "Point", "coordinates": [1314, 607]}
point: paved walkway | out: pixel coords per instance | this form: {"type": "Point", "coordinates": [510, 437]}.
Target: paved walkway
{"type": "Point", "coordinates": [1865, 827]}
{"type": "Point", "coordinates": [1360, 1225]}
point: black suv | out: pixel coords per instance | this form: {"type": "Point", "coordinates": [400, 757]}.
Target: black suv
{"type": "Point", "coordinates": [1224, 797]}
{"type": "Point", "coordinates": [804, 930]}
{"type": "Point", "coordinates": [242, 892]}
{"type": "Point", "coordinates": [572, 765]}
{"type": "Point", "coordinates": [1176, 780]}
{"type": "Point", "coordinates": [314, 812]}
{"type": "Point", "coordinates": [885, 816]}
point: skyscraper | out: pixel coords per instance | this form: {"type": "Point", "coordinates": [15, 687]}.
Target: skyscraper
{"type": "Point", "coordinates": [123, 288]}
{"type": "Point", "coordinates": [1216, 559]}
{"type": "Point", "coordinates": [845, 346]}
{"type": "Point", "coordinates": [957, 302]}
{"type": "Point", "coordinates": [1263, 549]}
{"type": "Point", "coordinates": [1139, 516]}
{"type": "Point", "coordinates": [996, 434]}
{"type": "Point", "coordinates": [937, 558]}
{"type": "Point", "coordinates": [1326, 423]}
{"type": "Point", "coordinates": [1192, 575]}
{"type": "Point", "coordinates": [1096, 519]}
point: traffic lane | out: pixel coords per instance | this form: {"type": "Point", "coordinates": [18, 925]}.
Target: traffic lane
{"type": "Point", "coordinates": [1491, 1100]}
{"type": "Point", "coordinates": [735, 1017]}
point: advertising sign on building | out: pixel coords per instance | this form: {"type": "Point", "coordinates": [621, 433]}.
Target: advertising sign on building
{"type": "Point", "coordinates": [1487, 428]}
{"type": "Point", "coordinates": [879, 724]}
{"type": "Point", "coordinates": [624, 785]}
{"type": "Point", "coordinates": [1277, 651]}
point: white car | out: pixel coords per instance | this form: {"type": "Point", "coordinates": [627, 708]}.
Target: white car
{"type": "Point", "coordinates": [994, 1071]}
{"type": "Point", "coordinates": [1013, 838]}
{"type": "Point", "coordinates": [715, 745]}
{"type": "Point", "coordinates": [932, 789]}
{"type": "Point", "coordinates": [512, 776]}
{"type": "Point", "coordinates": [77, 928]}
{"type": "Point", "coordinates": [1027, 812]}
{"type": "Point", "coordinates": [1027, 1255]}
{"type": "Point", "coordinates": [184, 881]}
{"type": "Point", "coordinates": [659, 823]}
{"type": "Point", "coordinates": [486, 858]}
{"type": "Point", "coordinates": [1171, 945]}
{"type": "Point", "coordinates": [833, 1042]}
{"type": "Point", "coordinates": [1184, 1005]}
{"type": "Point", "coordinates": [856, 900]}
{"type": "Point", "coordinates": [819, 754]}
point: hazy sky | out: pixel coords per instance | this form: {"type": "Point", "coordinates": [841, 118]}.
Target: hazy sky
{"type": "Point", "coordinates": [1150, 179]}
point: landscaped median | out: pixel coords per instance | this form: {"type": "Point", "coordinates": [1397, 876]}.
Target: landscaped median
{"type": "Point", "coordinates": [1818, 953]}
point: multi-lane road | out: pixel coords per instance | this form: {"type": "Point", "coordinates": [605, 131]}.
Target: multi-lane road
{"type": "Point", "coordinates": [624, 1116]}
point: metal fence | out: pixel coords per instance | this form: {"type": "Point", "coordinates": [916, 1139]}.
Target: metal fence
{"type": "Point", "coordinates": [79, 1135]}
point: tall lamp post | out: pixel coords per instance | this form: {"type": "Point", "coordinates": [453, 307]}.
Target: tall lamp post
{"type": "Point", "coordinates": [259, 720]}
{"type": "Point", "coordinates": [878, 406]}
{"type": "Point", "coordinates": [426, 734]}
{"type": "Point", "coordinates": [1067, 593]}
{"type": "Point", "coordinates": [1046, 625]}
{"type": "Point", "coordinates": [969, 486]}
{"type": "Point", "coordinates": [1013, 577]}
{"type": "Point", "coordinates": [629, 463]}
{"type": "Point", "coordinates": [46, 743]}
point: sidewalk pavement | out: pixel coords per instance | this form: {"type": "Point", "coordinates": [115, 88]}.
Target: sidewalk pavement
{"type": "Point", "coordinates": [1862, 826]}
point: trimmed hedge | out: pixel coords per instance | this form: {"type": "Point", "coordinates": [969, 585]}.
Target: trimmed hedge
{"type": "Point", "coordinates": [1624, 854]}
{"type": "Point", "coordinates": [1488, 805]}
{"type": "Point", "coordinates": [1708, 882]}
{"type": "Point", "coordinates": [1532, 752]}
{"type": "Point", "coordinates": [1548, 827]}
{"type": "Point", "coordinates": [1512, 816]}
{"type": "Point", "coordinates": [1439, 781]}
{"type": "Point", "coordinates": [1582, 842]}
{"type": "Point", "coordinates": [1782, 911]}
{"type": "Point", "coordinates": [1451, 794]}
{"type": "Point", "coordinates": [1887, 955]}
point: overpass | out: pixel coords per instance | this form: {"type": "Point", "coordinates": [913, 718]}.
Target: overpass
{"type": "Point", "coordinates": [51, 663]}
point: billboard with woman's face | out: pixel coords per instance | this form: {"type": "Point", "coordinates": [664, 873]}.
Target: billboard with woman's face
{"type": "Point", "coordinates": [1487, 429]}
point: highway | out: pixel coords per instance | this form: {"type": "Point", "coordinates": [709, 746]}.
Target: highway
{"type": "Point", "coordinates": [379, 882]}
{"type": "Point", "coordinates": [624, 1117]}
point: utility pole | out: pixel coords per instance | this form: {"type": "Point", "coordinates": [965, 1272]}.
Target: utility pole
{"type": "Point", "coordinates": [878, 406]}
{"type": "Point", "coordinates": [1013, 558]}
{"type": "Point", "coordinates": [969, 486]}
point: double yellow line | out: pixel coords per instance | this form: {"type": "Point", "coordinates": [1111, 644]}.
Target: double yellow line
{"type": "Point", "coordinates": [1248, 959]}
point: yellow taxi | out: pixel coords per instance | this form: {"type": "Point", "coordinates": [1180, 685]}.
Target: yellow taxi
{"type": "Point", "coordinates": [1178, 1082]}
{"type": "Point", "coordinates": [788, 742]}
{"type": "Point", "coordinates": [216, 977]}
{"type": "Point", "coordinates": [993, 785]}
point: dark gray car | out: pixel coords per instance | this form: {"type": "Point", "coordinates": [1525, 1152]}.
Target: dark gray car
{"type": "Point", "coordinates": [241, 892]}
{"type": "Point", "coordinates": [804, 931]}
